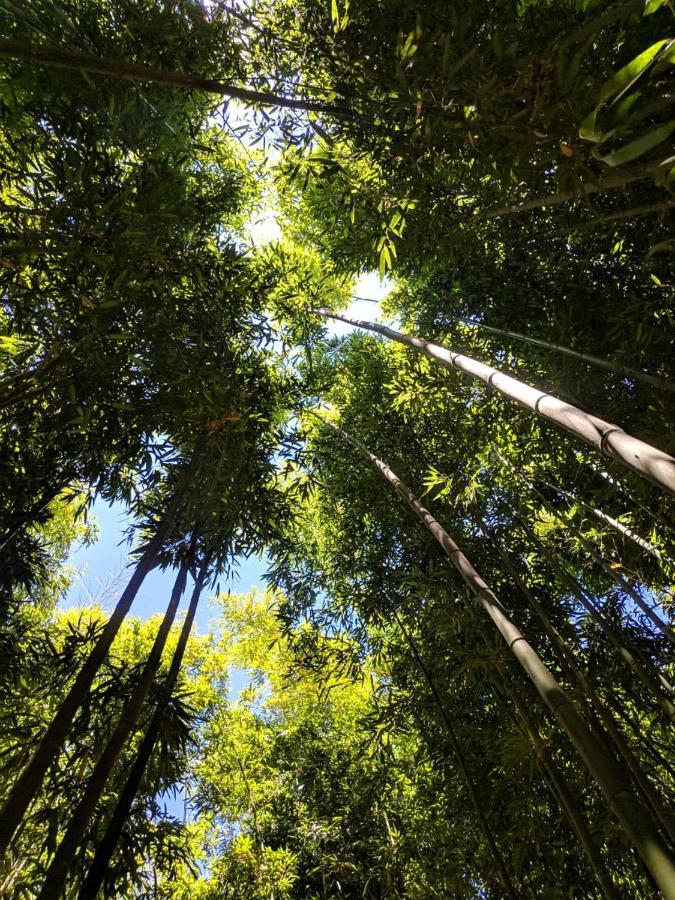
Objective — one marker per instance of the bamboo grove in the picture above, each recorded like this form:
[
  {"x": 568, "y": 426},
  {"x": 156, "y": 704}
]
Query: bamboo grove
[{"x": 458, "y": 681}]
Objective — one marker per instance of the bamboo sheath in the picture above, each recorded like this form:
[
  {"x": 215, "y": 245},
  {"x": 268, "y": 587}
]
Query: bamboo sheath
[
  {"x": 636, "y": 820},
  {"x": 653, "y": 464}
]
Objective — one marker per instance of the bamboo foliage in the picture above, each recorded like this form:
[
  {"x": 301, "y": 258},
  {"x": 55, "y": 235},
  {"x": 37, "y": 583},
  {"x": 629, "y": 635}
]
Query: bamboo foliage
[{"x": 635, "y": 819}]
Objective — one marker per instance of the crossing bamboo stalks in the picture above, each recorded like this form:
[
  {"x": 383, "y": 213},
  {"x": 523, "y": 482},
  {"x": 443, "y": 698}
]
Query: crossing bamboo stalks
[
  {"x": 30, "y": 781},
  {"x": 635, "y": 819},
  {"x": 57, "y": 874},
  {"x": 99, "y": 866},
  {"x": 653, "y": 464}
]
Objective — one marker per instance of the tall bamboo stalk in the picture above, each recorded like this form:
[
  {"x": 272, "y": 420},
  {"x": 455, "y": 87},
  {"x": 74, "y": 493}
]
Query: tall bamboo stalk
[
  {"x": 30, "y": 781},
  {"x": 653, "y": 464},
  {"x": 99, "y": 866},
  {"x": 57, "y": 874},
  {"x": 63, "y": 58},
  {"x": 637, "y": 822},
  {"x": 488, "y": 835}
]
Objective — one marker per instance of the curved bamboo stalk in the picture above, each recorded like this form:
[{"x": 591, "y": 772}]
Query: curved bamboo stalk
[
  {"x": 633, "y": 816},
  {"x": 653, "y": 464},
  {"x": 57, "y": 873},
  {"x": 99, "y": 866},
  {"x": 610, "y": 183}
]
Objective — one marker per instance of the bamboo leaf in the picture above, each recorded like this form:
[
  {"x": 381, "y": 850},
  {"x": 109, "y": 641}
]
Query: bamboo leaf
[{"x": 637, "y": 148}]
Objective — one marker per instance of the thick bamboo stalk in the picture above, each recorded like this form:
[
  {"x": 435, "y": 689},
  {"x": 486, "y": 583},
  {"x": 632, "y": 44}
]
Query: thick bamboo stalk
[
  {"x": 653, "y": 464},
  {"x": 488, "y": 835},
  {"x": 636, "y": 821},
  {"x": 30, "y": 781},
  {"x": 608, "y": 365},
  {"x": 57, "y": 874},
  {"x": 99, "y": 866}
]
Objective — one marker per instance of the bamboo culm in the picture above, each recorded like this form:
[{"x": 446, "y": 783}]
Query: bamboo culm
[
  {"x": 99, "y": 866},
  {"x": 662, "y": 626},
  {"x": 64, "y": 58},
  {"x": 30, "y": 781},
  {"x": 653, "y": 464},
  {"x": 57, "y": 874},
  {"x": 636, "y": 820}
]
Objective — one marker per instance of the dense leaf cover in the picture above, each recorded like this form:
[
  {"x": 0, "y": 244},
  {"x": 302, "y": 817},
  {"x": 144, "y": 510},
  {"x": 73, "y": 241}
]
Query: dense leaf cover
[{"x": 360, "y": 729}]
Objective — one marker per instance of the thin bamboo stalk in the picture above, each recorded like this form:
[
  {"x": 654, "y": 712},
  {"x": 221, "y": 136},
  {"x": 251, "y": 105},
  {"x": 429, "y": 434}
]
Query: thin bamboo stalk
[
  {"x": 569, "y": 663},
  {"x": 655, "y": 684},
  {"x": 99, "y": 866},
  {"x": 609, "y": 365},
  {"x": 656, "y": 620},
  {"x": 61, "y": 57},
  {"x": 563, "y": 794},
  {"x": 28, "y": 784}
]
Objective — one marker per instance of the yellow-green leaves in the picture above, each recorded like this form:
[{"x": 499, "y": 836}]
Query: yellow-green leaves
[{"x": 339, "y": 13}]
